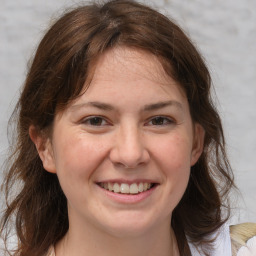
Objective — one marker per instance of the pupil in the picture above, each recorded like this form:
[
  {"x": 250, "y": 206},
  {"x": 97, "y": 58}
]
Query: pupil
[
  {"x": 158, "y": 121},
  {"x": 96, "y": 121}
]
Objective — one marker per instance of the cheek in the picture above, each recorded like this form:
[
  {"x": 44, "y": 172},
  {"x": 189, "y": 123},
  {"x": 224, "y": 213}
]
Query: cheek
[
  {"x": 77, "y": 158},
  {"x": 79, "y": 155},
  {"x": 174, "y": 161},
  {"x": 175, "y": 153}
]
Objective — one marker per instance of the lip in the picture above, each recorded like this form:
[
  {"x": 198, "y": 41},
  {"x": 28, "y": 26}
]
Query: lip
[
  {"x": 129, "y": 182},
  {"x": 128, "y": 198}
]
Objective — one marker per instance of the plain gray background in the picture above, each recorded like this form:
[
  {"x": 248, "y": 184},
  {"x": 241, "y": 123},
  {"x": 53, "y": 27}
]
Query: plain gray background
[{"x": 225, "y": 33}]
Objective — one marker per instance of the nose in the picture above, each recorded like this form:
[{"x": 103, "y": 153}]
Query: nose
[{"x": 129, "y": 149}]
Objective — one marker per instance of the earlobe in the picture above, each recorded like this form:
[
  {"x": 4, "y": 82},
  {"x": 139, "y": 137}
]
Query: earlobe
[
  {"x": 198, "y": 143},
  {"x": 44, "y": 148}
]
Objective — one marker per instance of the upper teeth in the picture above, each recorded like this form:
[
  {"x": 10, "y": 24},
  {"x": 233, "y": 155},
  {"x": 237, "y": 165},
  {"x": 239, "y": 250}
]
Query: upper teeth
[{"x": 124, "y": 188}]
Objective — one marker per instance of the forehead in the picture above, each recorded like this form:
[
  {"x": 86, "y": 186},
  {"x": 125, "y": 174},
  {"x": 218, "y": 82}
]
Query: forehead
[
  {"x": 126, "y": 73},
  {"x": 132, "y": 63},
  {"x": 129, "y": 74}
]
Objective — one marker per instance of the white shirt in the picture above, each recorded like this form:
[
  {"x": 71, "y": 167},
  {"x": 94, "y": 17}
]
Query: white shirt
[{"x": 221, "y": 245}]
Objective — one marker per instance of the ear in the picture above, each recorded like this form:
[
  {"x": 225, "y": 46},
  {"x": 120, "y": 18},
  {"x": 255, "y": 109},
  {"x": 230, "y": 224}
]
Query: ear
[
  {"x": 198, "y": 143},
  {"x": 44, "y": 148}
]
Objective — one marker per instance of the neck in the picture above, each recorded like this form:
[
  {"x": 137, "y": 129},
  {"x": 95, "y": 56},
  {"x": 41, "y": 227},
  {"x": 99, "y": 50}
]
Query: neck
[{"x": 90, "y": 241}]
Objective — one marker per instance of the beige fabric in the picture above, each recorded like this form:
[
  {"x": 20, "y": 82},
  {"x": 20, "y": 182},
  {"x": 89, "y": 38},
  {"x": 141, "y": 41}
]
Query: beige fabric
[
  {"x": 240, "y": 234},
  {"x": 50, "y": 252}
]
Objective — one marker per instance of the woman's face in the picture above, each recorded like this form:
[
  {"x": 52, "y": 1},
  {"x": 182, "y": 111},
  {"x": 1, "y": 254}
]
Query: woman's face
[{"x": 123, "y": 150}]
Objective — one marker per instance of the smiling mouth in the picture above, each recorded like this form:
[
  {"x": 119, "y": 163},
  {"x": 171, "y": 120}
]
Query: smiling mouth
[{"x": 124, "y": 188}]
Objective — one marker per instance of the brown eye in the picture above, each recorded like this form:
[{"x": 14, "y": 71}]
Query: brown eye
[
  {"x": 160, "y": 120},
  {"x": 95, "y": 121}
]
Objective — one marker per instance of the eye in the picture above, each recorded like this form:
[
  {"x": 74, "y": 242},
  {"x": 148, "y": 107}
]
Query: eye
[
  {"x": 160, "y": 120},
  {"x": 95, "y": 121}
]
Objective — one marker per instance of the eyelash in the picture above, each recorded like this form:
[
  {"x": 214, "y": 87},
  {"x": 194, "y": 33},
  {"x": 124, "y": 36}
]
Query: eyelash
[
  {"x": 88, "y": 121},
  {"x": 163, "y": 121}
]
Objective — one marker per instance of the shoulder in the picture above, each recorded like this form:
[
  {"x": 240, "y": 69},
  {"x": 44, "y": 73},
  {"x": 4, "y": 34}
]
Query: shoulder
[
  {"x": 243, "y": 239},
  {"x": 235, "y": 240},
  {"x": 220, "y": 244}
]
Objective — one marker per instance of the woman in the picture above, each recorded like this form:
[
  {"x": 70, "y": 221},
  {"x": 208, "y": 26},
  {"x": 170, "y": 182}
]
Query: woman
[{"x": 120, "y": 149}]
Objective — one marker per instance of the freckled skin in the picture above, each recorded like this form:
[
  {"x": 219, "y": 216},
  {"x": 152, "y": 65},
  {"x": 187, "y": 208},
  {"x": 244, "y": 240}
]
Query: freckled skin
[{"x": 82, "y": 154}]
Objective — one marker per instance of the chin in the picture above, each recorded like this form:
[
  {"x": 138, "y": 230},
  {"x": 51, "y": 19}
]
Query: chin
[{"x": 134, "y": 225}]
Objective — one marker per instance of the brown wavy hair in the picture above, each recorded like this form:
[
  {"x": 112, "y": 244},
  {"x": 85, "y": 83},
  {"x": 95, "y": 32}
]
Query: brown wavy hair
[{"x": 57, "y": 75}]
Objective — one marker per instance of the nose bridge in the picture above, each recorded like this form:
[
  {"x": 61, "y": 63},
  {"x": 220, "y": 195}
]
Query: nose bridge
[{"x": 129, "y": 149}]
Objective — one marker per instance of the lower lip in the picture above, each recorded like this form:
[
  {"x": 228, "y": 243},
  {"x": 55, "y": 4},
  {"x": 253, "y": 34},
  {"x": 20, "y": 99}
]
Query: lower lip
[{"x": 129, "y": 198}]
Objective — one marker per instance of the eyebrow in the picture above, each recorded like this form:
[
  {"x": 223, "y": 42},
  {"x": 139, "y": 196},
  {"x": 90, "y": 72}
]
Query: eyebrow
[
  {"x": 149, "y": 107},
  {"x": 96, "y": 104},
  {"x": 163, "y": 104}
]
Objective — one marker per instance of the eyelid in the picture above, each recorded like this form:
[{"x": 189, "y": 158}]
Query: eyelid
[
  {"x": 168, "y": 118},
  {"x": 88, "y": 118}
]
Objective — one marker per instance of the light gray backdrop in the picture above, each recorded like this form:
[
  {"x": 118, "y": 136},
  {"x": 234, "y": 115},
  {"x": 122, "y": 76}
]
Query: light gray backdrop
[{"x": 224, "y": 31}]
